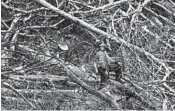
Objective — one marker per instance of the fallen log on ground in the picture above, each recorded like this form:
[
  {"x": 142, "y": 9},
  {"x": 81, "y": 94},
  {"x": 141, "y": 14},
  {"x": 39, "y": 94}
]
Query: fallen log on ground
[
  {"x": 117, "y": 85},
  {"x": 31, "y": 92},
  {"x": 40, "y": 77},
  {"x": 90, "y": 89},
  {"x": 75, "y": 74}
]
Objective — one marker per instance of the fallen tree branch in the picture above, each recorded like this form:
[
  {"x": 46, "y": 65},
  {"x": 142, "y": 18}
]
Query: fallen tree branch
[
  {"x": 94, "y": 29},
  {"x": 163, "y": 7},
  {"x": 84, "y": 85},
  {"x": 112, "y": 37},
  {"x": 7, "y": 98},
  {"x": 91, "y": 90},
  {"x": 14, "y": 90},
  {"x": 82, "y": 3},
  {"x": 32, "y": 91},
  {"x": 46, "y": 77},
  {"x": 140, "y": 7},
  {"x": 159, "y": 16},
  {"x": 39, "y": 27},
  {"x": 7, "y": 35},
  {"x": 13, "y": 41},
  {"x": 3, "y": 22},
  {"x": 172, "y": 2},
  {"x": 23, "y": 11},
  {"x": 104, "y": 7}
]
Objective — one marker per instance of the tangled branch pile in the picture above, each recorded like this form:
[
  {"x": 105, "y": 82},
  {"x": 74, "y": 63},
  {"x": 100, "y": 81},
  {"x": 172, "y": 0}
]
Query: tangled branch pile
[{"x": 48, "y": 49}]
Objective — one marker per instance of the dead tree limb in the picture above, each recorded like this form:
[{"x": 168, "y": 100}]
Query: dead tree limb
[
  {"x": 23, "y": 11},
  {"x": 159, "y": 16},
  {"x": 32, "y": 91},
  {"x": 110, "y": 36},
  {"x": 171, "y": 2},
  {"x": 8, "y": 34},
  {"x": 94, "y": 29},
  {"x": 91, "y": 90},
  {"x": 14, "y": 90},
  {"x": 104, "y": 7},
  {"x": 163, "y": 7},
  {"x": 46, "y": 77}
]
